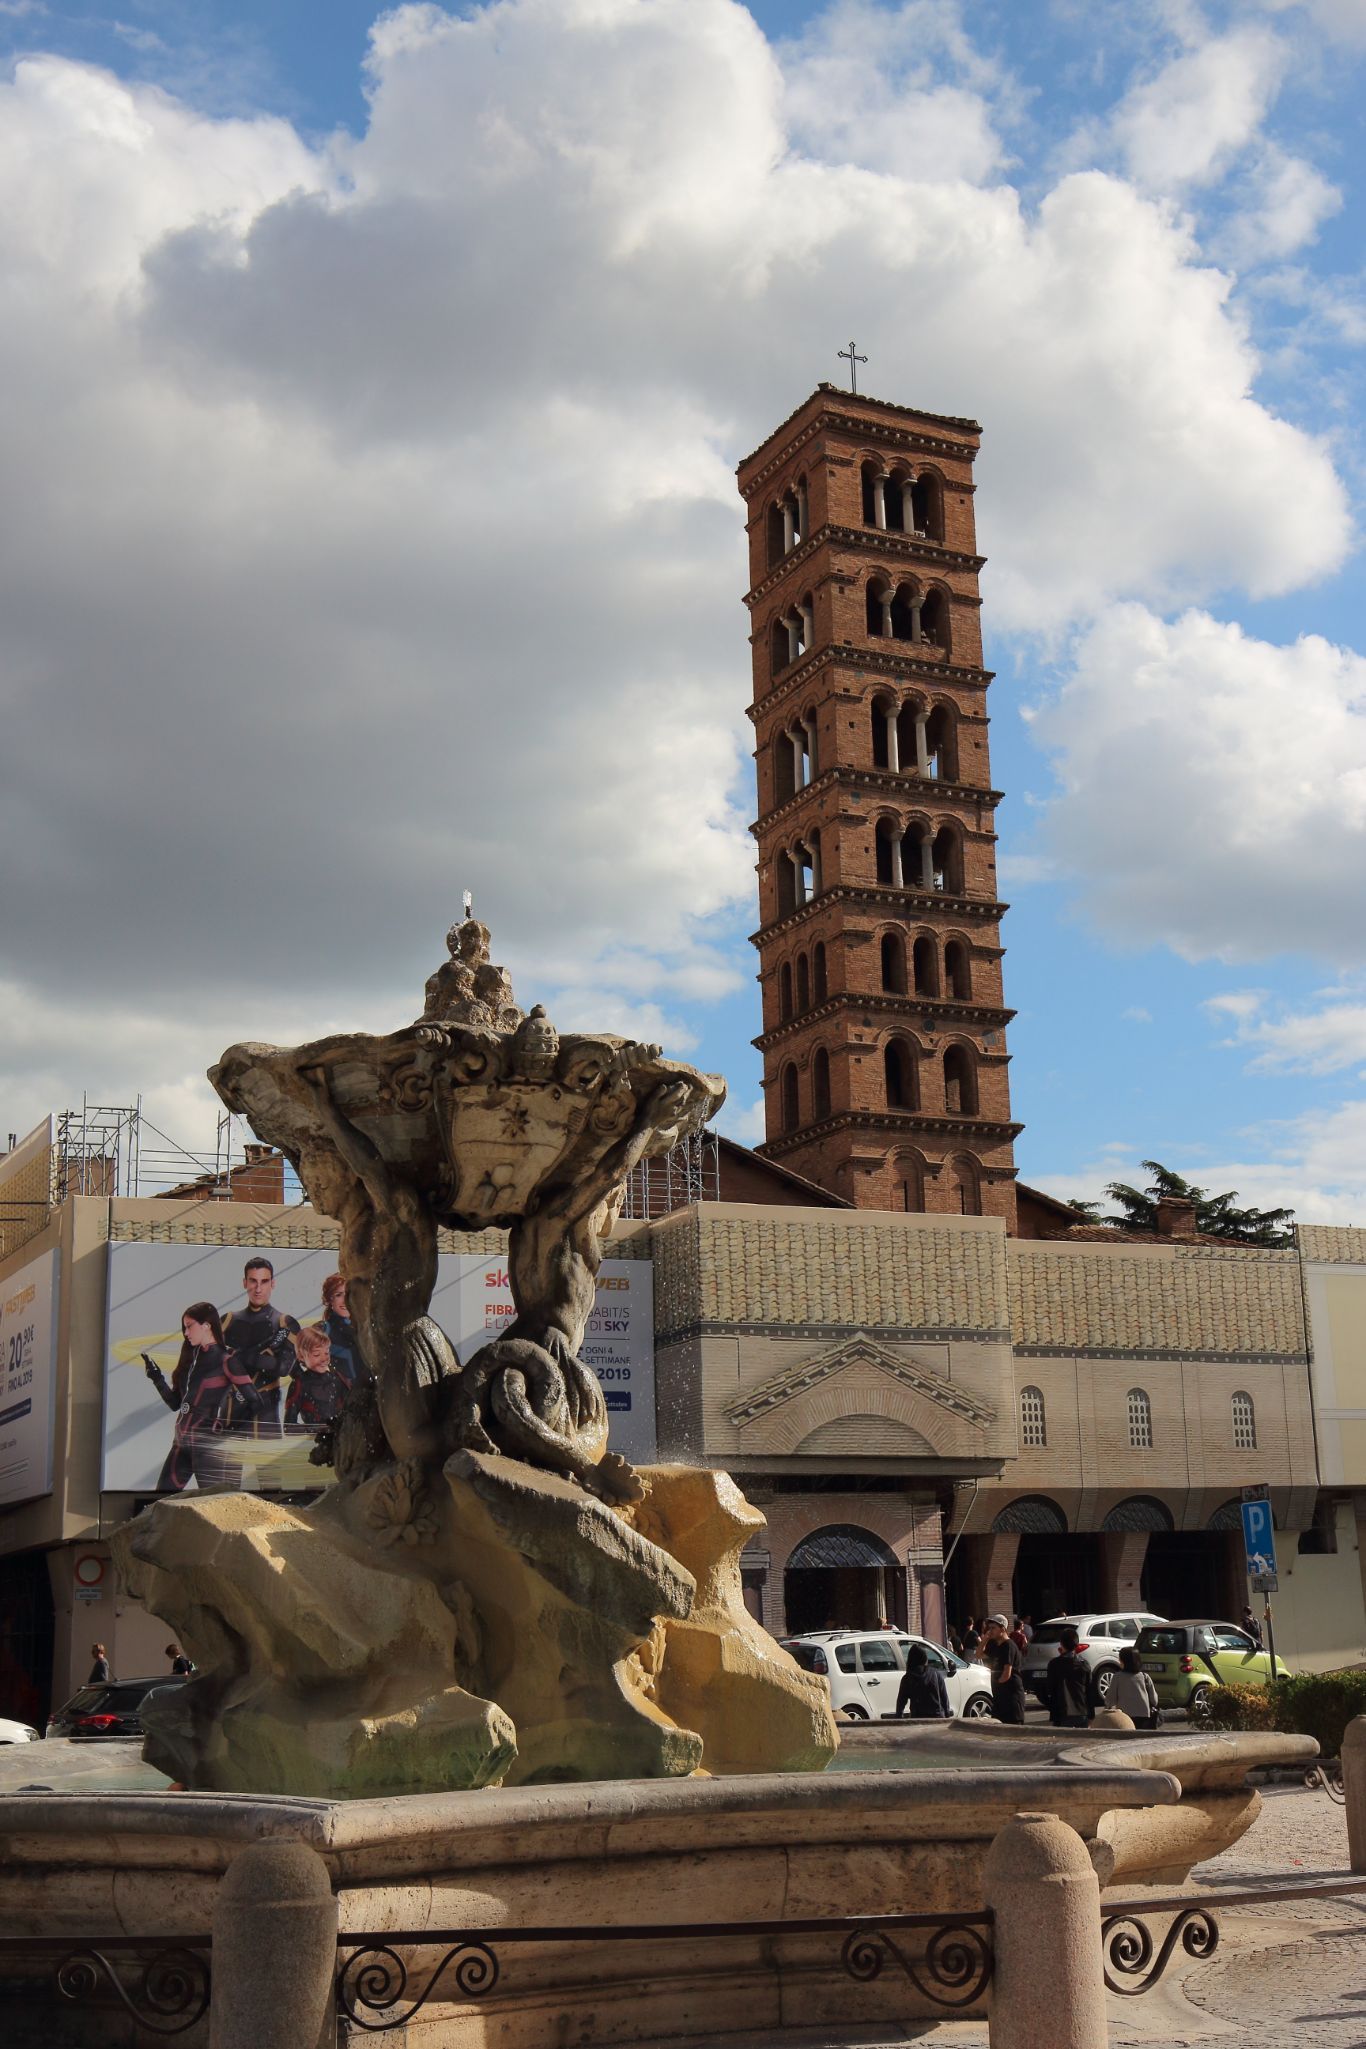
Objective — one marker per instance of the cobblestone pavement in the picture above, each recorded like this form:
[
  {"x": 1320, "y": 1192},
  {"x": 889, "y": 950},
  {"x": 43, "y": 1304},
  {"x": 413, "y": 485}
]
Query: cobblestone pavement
[{"x": 1287, "y": 1975}]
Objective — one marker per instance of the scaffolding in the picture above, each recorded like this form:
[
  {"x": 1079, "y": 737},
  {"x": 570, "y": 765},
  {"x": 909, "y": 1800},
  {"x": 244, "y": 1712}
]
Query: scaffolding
[
  {"x": 690, "y": 1173},
  {"x": 97, "y": 1150}
]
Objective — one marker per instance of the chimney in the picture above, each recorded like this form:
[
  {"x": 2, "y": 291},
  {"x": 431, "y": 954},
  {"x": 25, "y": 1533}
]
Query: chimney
[{"x": 1176, "y": 1217}]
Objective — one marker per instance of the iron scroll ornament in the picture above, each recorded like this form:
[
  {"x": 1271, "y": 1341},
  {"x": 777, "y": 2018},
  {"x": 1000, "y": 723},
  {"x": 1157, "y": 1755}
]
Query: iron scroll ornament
[
  {"x": 958, "y": 1960},
  {"x": 1126, "y": 1944},
  {"x": 168, "y": 1995},
  {"x": 374, "y": 1980}
]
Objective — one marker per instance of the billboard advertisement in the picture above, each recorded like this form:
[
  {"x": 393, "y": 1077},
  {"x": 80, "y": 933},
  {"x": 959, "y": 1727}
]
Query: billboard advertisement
[
  {"x": 205, "y": 1386},
  {"x": 28, "y": 1378}
]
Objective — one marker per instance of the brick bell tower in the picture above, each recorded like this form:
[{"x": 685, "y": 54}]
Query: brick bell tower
[{"x": 885, "y": 1063}]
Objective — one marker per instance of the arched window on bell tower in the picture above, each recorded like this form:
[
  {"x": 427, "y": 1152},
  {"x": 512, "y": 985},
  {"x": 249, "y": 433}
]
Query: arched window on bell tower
[
  {"x": 894, "y": 963},
  {"x": 785, "y": 992},
  {"x": 934, "y": 620},
  {"x": 818, "y": 983},
  {"x": 820, "y": 1084},
  {"x": 878, "y": 608},
  {"x": 791, "y": 1104},
  {"x": 941, "y": 744},
  {"x": 928, "y": 504},
  {"x": 960, "y": 1082},
  {"x": 905, "y": 612},
  {"x": 966, "y": 1184},
  {"x": 946, "y": 862},
  {"x": 925, "y": 966},
  {"x": 958, "y": 971},
  {"x": 900, "y": 1074},
  {"x": 803, "y": 985}
]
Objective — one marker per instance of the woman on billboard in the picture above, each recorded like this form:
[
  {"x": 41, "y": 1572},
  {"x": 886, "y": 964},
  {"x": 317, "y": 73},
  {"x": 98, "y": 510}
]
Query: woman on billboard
[{"x": 208, "y": 1393}]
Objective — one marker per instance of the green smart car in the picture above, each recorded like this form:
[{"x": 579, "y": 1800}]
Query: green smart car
[{"x": 1186, "y": 1658}]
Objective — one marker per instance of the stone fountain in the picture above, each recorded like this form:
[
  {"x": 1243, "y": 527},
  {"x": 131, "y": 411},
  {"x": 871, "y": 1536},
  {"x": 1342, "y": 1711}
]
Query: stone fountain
[{"x": 487, "y": 1593}]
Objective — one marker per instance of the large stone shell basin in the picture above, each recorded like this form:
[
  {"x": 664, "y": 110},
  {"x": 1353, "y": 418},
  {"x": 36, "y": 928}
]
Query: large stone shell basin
[
  {"x": 472, "y": 1120},
  {"x": 599, "y": 1855},
  {"x": 1133, "y": 1845}
]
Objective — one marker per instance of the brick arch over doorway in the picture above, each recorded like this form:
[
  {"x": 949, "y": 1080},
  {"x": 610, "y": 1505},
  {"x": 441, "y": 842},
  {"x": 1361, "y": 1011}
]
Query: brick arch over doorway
[
  {"x": 868, "y": 1436},
  {"x": 902, "y": 1521}
]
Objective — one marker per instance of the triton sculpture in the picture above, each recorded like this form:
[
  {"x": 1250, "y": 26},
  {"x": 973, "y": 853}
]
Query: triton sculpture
[{"x": 488, "y": 1592}]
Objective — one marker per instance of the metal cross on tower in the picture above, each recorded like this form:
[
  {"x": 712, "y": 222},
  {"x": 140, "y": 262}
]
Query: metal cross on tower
[{"x": 854, "y": 361}]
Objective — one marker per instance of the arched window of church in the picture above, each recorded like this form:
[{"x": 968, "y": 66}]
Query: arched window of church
[
  {"x": 946, "y": 861},
  {"x": 1033, "y": 1428},
  {"x": 960, "y": 1083},
  {"x": 882, "y": 719},
  {"x": 958, "y": 971},
  {"x": 820, "y": 1083},
  {"x": 878, "y": 608},
  {"x": 925, "y": 966},
  {"x": 818, "y": 984},
  {"x": 803, "y": 985},
  {"x": 874, "y": 495},
  {"x": 782, "y": 651},
  {"x": 785, "y": 991},
  {"x": 786, "y": 880},
  {"x": 928, "y": 504},
  {"x": 916, "y": 863},
  {"x": 906, "y": 612},
  {"x": 934, "y": 621},
  {"x": 784, "y": 768},
  {"x": 967, "y": 1188},
  {"x": 1140, "y": 1420},
  {"x": 774, "y": 534},
  {"x": 894, "y": 963},
  {"x": 1244, "y": 1423},
  {"x": 910, "y": 1185},
  {"x": 899, "y": 1068},
  {"x": 941, "y": 744},
  {"x": 791, "y": 1103}
]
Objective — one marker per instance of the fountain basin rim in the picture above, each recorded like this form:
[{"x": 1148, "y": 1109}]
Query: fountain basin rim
[{"x": 622, "y": 1806}]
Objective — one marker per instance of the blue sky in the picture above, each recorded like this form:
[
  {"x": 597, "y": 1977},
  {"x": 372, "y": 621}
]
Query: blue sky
[{"x": 322, "y": 319}]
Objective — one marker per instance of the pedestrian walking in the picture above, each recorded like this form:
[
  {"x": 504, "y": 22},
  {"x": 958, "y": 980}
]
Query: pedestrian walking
[
  {"x": 1132, "y": 1691},
  {"x": 181, "y": 1666},
  {"x": 1253, "y": 1627},
  {"x": 99, "y": 1671},
  {"x": 1018, "y": 1637},
  {"x": 1067, "y": 1684},
  {"x": 972, "y": 1640},
  {"x": 1004, "y": 1660},
  {"x": 922, "y": 1691}
]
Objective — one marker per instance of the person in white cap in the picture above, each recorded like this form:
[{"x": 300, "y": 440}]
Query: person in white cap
[{"x": 1004, "y": 1661}]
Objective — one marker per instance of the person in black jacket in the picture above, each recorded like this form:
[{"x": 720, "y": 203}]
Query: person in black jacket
[
  {"x": 316, "y": 1388},
  {"x": 1004, "y": 1660},
  {"x": 205, "y": 1382},
  {"x": 259, "y": 1336},
  {"x": 347, "y": 1359},
  {"x": 922, "y": 1690},
  {"x": 1067, "y": 1685}
]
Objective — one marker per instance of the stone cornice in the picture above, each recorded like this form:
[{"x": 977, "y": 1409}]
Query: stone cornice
[
  {"x": 890, "y": 1123},
  {"x": 844, "y": 655},
  {"x": 887, "y": 899},
  {"x": 834, "y": 412},
  {"x": 940, "y": 1014},
  {"x": 873, "y": 541},
  {"x": 861, "y": 1349},
  {"x": 880, "y": 780}
]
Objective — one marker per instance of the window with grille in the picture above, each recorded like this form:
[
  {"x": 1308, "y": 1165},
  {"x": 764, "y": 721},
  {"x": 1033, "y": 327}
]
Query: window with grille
[
  {"x": 1140, "y": 1420},
  {"x": 1032, "y": 1426},
  {"x": 1244, "y": 1423}
]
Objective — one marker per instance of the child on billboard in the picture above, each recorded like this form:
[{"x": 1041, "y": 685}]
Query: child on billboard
[
  {"x": 336, "y": 1317},
  {"x": 205, "y": 1387},
  {"x": 316, "y": 1388}
]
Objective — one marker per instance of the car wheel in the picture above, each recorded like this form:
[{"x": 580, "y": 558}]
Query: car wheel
[
  {"x": 855, "y": 1714},
  {"x": 1197, "y": 1707},
  {"x": 1103, "y": 1680},
  {"x": 977, "y": 1708}
]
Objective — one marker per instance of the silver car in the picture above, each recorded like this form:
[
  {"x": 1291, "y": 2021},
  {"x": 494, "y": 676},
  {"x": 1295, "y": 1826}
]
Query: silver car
[{"x": 1102, "y": 1638}]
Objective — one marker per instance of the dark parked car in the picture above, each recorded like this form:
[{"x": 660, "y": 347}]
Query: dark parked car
[{"x": 109, "y": 1707}]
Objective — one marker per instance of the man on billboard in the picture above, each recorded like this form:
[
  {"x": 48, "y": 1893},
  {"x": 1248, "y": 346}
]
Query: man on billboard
[
  {"x": 205, "y": 1387},
  {"x": 259, "y": 1337}
]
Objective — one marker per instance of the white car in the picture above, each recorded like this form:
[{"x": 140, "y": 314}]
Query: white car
[
  {"x": 865, "y": 1669},
  {"x": 17, "y": 1732},
  {"x": 1102, "y": 1638}
]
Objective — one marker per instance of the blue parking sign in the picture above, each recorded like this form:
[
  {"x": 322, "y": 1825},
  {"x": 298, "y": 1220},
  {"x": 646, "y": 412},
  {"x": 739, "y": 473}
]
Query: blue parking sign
[{"x": 1259, "y": 1539}]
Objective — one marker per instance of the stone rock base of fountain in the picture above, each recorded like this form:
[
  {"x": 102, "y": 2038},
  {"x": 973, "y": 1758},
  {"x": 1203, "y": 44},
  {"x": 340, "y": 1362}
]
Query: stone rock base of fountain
[{"x": 485, "y": 1624}]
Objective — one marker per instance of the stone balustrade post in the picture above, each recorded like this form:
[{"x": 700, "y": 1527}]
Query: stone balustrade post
[
  {"x": 274, "y": 1951},
  {"x": 1354, "y": 1784},
  {"x": 1047, "y": 1985}
]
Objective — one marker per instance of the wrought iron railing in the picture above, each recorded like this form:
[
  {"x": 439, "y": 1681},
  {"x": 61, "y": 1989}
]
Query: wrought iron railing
[
  {"x": 381, "y": 1984},
  {"x": 1134, "y": 1961},
  {"x": 163, "y": 1982}
]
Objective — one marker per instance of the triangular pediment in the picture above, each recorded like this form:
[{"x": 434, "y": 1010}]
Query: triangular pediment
[{"x": 856, "y": 1355}]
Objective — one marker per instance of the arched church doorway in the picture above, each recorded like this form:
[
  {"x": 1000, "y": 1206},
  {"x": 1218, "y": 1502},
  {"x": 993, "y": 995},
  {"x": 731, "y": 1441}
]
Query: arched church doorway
[
  {"x": 1054, "y": 1574},
  {"x": 843, "y": 1577}
]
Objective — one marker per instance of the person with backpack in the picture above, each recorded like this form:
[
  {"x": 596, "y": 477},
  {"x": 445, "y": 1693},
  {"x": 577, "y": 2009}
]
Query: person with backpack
[
  {"x": 1132, "y": 1691},
  {"x": 1067, "y": 1684},
  {"x": 181, "y": 1666},
  {"x": 922, "y": 1690}
]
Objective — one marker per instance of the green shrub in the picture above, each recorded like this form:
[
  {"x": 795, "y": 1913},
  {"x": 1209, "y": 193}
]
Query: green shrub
[
  {"x": 1240, "y": 1707},
  {"x": 1317, "y": 1704}
]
